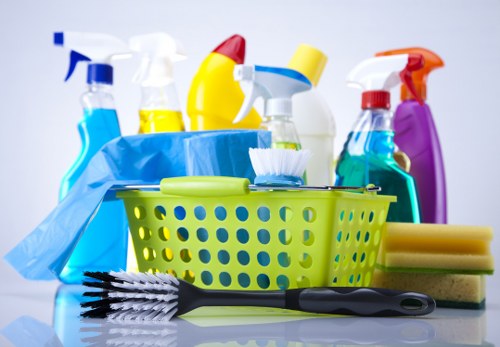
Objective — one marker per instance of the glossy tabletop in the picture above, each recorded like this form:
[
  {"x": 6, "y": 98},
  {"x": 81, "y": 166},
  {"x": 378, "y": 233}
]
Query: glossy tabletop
[{"x": 47, "y": 314}]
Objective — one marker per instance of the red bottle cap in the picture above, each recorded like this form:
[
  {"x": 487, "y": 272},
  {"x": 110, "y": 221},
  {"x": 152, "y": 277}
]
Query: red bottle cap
[
  {"x": 233, "y": 48},
  {"x": 376, "y": 99}
]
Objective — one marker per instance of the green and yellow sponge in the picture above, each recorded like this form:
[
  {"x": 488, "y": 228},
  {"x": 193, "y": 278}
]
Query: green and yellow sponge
[
  {"x": 447, "y": 262},
  {"x": 436, "y": 248}
]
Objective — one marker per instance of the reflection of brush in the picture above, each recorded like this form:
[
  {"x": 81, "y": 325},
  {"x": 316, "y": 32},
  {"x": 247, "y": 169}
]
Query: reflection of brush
[
  {"x": 279, "y": 167},
  {"x": 146, "y": 296},
  {"x": 311, "y": 331}
]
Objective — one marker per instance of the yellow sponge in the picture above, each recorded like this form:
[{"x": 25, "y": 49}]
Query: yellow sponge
[
  {"x": 436, "y": 248},
  {"x": 449, "y": 290}
]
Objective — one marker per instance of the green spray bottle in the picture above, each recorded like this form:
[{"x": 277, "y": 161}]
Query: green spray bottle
[{"x": 367, "y": 156}]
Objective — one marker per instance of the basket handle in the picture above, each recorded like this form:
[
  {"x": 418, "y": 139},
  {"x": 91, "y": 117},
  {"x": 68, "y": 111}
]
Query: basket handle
[{"x": 204, "y": 186}]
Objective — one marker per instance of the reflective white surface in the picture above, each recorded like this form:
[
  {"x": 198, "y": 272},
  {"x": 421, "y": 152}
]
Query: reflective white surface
[{"x": 47, "y": 314}]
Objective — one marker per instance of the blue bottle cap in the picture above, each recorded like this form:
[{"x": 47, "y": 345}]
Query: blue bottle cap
[{"x": 100, "y": 73}]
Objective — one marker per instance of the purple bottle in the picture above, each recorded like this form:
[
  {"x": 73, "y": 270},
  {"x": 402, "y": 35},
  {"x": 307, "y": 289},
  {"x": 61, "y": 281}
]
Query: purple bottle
[{"x": 416, "y": 135}]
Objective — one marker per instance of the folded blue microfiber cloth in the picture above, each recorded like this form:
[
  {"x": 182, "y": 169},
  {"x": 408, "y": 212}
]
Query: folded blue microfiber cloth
[{"x": 139, "y": 159}]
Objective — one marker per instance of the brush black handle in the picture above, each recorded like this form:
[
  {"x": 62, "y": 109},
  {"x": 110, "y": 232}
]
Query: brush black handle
[
  {"x": 359, "y": 301},
  {"x": 333, "y": 300}
]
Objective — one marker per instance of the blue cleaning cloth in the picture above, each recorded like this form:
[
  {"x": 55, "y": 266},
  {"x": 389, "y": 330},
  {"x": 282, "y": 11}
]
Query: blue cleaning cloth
[{"x": 139, "y": 159}]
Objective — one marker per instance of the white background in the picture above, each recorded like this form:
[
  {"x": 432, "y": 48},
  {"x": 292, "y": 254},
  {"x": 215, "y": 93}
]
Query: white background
[{"x": 39, "y": 112}]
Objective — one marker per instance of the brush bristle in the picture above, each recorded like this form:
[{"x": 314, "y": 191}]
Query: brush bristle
[
  {"x": 132, "y": 296},
  {"x": 277, "y": 161}
]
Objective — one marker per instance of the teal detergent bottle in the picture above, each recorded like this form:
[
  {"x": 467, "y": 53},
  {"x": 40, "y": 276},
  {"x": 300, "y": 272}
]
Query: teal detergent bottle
[
  {"x": 103, "y": 246},
  {"x": 367, "y": 155}
]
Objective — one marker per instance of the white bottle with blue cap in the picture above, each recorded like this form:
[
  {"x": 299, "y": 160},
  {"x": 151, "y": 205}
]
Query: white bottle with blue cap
[
  {"x": 101, "y": 247},
  {"x": 276, "y": 86}
]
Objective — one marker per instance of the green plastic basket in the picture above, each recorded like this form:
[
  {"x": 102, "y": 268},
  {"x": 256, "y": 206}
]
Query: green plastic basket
[{"x": 216, "y": 233}]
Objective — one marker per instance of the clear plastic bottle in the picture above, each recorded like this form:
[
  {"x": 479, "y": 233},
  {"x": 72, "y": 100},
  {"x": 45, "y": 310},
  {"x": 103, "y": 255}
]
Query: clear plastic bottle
[
  {"x": 160, "y": 110},
  {"x": 368, "y": 153},
  {"x": 283, "y": 132},
  {"x": 367, "y": 157},
  {"x": 98, "y": 249},
  {"x": 103, "y": 245}
]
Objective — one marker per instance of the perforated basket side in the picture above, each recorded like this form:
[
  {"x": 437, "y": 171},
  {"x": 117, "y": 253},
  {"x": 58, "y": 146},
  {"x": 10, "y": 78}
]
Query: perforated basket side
[
  {"x": 357, "y": 236},
  {"x": 268, "y": 240},
  {"x": 264, "y": 240}
]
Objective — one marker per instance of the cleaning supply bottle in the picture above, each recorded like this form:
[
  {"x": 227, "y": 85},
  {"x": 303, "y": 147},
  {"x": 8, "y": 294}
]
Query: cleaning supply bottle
[
  {"x": 160, "y": 109},
  {"x": 367, "y": 156},
  {"x": 214, "y": 96},
  {"x": 312, "y": 116},
  {"x": 98, "y": 249},
  {"x": 276, "y": 86},
  {"x": 416, "y": 135}
]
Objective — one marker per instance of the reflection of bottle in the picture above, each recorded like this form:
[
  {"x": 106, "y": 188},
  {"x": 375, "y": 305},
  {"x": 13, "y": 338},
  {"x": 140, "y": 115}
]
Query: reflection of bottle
[
  {"x": 367, "y": 156},
  {"x": 160, "y": 109},
  {"x": 416, "y": 135},
  {"x": 98, "y": 249},
  {"x": 276, "y": 86},
  {"x": 67, "y": 320},
  {"x": 214, "y": 96},
  {"x": 312, "y": 116}
]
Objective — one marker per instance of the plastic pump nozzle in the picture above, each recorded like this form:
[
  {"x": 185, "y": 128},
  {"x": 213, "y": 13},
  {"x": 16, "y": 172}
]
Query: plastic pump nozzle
[
  {"x": 376, "y": 76},
  {"x": 431, "y": 61},
  {"x": 159, "y": 52},
  {"x": 275, "y": 85},
  {"x": 96, "y": 48}
]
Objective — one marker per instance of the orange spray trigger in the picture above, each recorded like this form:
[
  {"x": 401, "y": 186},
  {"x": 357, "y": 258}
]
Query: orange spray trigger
[
  {"x": 415, "y": 62},
  {"x": 431, "y": 61}
]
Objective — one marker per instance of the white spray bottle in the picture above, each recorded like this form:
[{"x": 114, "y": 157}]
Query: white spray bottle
[
  {"x": 276, "y": 86},
  {"x": 313, "y": 117},
  {"x": 160, "y": 109}
]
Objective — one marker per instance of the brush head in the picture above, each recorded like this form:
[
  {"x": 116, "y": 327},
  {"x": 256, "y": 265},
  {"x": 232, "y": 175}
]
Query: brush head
[
  {"x": 279, "y": 167},
  {"x": 132, "y": 296}
]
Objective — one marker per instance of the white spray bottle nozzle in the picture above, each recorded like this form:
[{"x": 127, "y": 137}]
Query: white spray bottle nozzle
[
  {"x": 275, "y": 85},
  {"x": 159, "y": 51},
  {"x": 385, "y": 72},
  {"x": 379, "y": 73},
  {"x": 91, "y": 47},
  {"x": 376, "y": 76}
]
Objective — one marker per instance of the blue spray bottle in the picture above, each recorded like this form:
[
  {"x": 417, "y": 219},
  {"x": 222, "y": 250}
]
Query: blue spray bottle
[
  {"x": 97, "y": 250},
  {"x": 367, "y": 156}
]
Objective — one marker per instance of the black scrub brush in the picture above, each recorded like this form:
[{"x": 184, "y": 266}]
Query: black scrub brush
[{"x": 159, "y": 297}]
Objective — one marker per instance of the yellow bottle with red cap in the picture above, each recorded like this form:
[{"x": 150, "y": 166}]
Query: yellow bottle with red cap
[
  {"x": 214, "y": 97},
  {"x": 416, "y": 135}
]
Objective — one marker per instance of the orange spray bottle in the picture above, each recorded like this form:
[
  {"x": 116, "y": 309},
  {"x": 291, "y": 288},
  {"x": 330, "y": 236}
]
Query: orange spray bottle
[
  {"x": 214, "y": 97},
  {"x": 416, "y": 135}
]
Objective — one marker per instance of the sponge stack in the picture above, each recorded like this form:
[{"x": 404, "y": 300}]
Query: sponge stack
[{"x": 447, "y": 262}]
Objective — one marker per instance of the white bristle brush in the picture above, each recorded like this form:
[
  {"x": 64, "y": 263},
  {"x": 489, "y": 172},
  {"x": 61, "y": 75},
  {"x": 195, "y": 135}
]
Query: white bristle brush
[
  {"x": 159, "y": 297},
  {"x": 279, "y": 167}
]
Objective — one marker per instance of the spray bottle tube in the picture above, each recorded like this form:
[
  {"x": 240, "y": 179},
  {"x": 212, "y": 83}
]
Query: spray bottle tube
[
  {"x": 367, "y": 156},
  {"x": 160, "y": 109},
  {"x": 103, "y": 246}
]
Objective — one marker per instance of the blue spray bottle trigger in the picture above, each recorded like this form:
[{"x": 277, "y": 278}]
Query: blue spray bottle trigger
[
  {"x": 74, "y": 59},
  {"x": 59, "y": 39}
]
